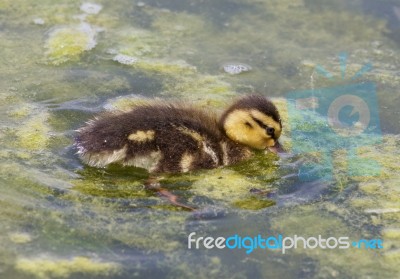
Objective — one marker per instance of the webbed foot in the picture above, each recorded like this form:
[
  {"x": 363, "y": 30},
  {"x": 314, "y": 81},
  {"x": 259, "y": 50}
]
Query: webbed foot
[{"x": 154, "y": 185}]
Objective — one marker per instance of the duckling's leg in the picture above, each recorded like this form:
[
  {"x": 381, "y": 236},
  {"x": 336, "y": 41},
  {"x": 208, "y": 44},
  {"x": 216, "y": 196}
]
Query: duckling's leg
[{"x": 153, "y": 184}]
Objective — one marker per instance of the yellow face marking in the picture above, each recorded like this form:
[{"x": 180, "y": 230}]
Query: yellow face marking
[
  {"x": 237, "y": 128},
  {"x": 186, "y": 162},
  {"x": 142, "y": 136},
  {"x": 268, "y": 121}
]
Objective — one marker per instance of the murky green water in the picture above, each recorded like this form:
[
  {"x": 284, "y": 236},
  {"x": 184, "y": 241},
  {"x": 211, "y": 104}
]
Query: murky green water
[{"x": 61, "y": 62}]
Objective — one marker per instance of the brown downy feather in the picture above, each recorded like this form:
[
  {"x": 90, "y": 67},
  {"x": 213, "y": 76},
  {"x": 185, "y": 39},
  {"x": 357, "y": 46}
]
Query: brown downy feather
[{"x": 178, "y": 138}]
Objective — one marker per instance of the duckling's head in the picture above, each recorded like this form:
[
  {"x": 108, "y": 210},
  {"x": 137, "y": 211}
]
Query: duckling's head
[{"x": 253, "y": 121}]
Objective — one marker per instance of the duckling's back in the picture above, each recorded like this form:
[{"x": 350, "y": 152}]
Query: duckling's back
[{"x": 159, "y": 138}]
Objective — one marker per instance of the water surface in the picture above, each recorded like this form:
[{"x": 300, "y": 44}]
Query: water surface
[{"x": 61, "y": 62}]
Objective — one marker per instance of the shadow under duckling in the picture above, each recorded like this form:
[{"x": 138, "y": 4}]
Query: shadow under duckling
[{"x": 173, "y": 138}]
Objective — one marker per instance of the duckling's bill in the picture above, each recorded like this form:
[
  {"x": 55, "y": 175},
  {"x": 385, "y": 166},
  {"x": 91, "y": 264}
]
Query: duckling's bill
[{"x": 277, "y": 148}]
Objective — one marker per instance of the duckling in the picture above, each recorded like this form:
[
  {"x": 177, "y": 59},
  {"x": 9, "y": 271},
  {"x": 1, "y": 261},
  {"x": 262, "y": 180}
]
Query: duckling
[{"x": 173, "y": 138}]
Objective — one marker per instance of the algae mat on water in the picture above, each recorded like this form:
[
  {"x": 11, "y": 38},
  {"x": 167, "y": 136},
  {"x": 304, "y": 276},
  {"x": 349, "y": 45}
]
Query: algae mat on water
[{"x": 64, "y": 61}]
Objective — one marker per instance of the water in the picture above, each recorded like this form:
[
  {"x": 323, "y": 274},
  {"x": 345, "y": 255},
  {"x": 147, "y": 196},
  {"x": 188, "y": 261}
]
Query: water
[{"x": 61, "y": 219}]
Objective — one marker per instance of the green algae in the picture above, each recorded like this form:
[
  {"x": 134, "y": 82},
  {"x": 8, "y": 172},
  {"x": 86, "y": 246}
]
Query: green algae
[
  {"x": 138, "y": 43},
  {"x": 185, "y": 24},
  {"x": 34, "y": 133},
  {"x": 307, "y": 221},
  {"x": 126, "y": 103},
  {"x": 203, "y": 268},
  {"x": 20, "y": 237},
  {"x": 224, "y": 184},
  {"x": 165, "y": 67},
  {"x": 68, "y": 43},
  {"x": 50, "y": 268},
  {"x": 67, "y": 211},
  {"x": 117, "y": 184},
  {"x": 253, "y": 203},
  {"x": 377, "y": 204},
  {"x": 22, "y": 12},
  {"x": 206, "y": 90},
  {"x": 22, "y": 111}
]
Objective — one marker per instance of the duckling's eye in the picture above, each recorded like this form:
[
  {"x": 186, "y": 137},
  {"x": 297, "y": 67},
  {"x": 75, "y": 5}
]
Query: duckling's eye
[
  {"x": 248, "y": 125},
  {"x": 270, "y": 131}
]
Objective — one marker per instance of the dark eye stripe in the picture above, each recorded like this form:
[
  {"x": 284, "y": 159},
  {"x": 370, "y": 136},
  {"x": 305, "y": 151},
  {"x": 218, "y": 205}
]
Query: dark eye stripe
[
  {"x": 260, "y": 123},
  {"x": 249, "y": 125},
  {"x": 265, "y": 127}
]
